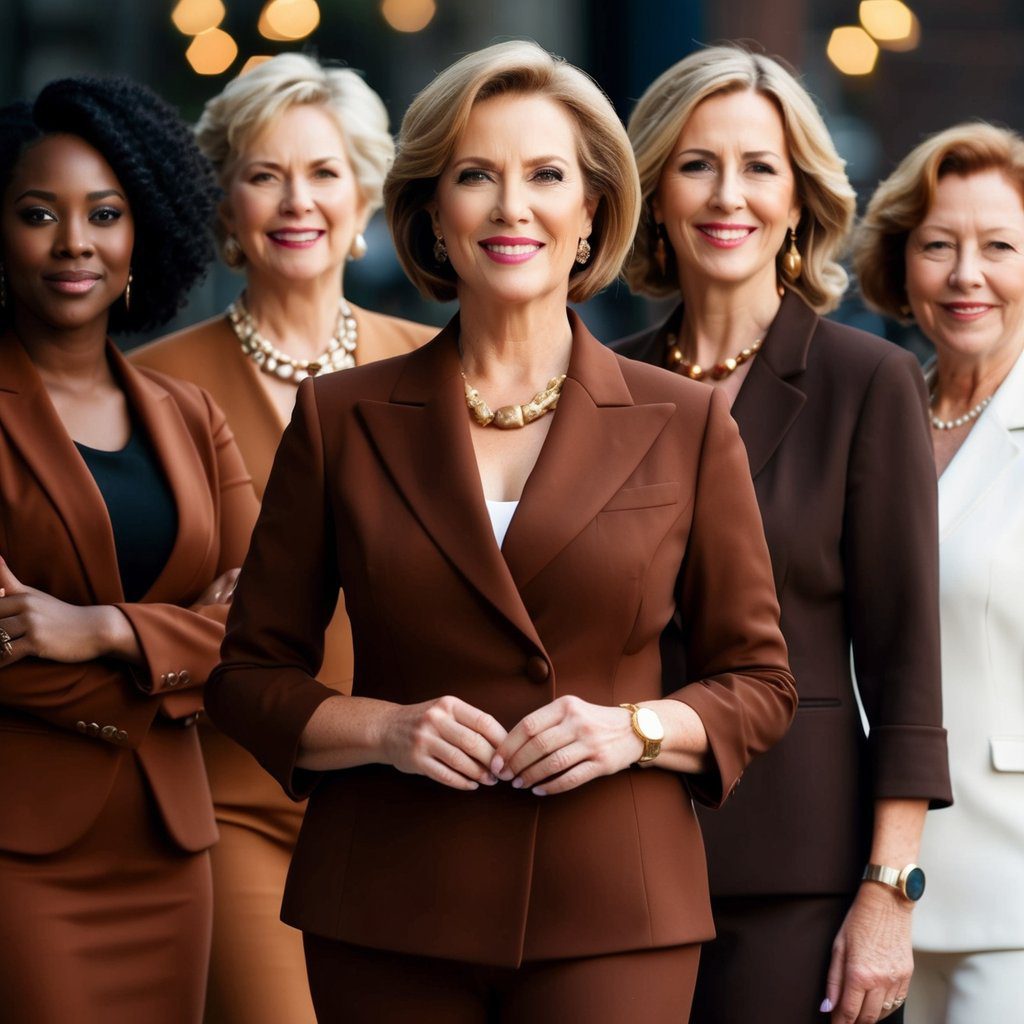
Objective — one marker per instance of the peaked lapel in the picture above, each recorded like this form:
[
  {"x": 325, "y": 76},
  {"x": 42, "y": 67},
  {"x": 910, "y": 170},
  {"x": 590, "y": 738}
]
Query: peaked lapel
[
  {"x": 37, "y": 431},
  {"x": 994, "y": 444},
  {"x": 422, "y": 437},
  {"x": 771, "y": 397},
  {"x": 597, "y": 438},
  {"x": 158, "y": 415}
]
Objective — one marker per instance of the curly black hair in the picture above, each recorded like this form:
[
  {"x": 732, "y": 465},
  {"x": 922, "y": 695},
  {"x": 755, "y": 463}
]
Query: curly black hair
[{"x": 168, "y": 183}]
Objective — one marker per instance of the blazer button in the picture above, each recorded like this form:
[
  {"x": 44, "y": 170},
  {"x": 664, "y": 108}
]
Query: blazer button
[
  {"x": 121, "y": 736},
  {"x": 188, "y": 721},
  {"x": 80, "y": 726},
  {"x": 172, "y": 678},
  {"x": 92, "y": 729},
  {"x": 183, "y": 677},
  {"x": 537, "y": 670},
  {"x": 109, "y": 732}
]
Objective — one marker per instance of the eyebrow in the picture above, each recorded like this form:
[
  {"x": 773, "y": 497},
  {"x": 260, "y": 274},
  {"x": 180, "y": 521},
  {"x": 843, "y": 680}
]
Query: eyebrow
[
  {"x": 260, "y": 162},
  {"x": 534, "y": 161},
  {"x": 750, "y": 154},
  {"x": 51, "y": 197}
]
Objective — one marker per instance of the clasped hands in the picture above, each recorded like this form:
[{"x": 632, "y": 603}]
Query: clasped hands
[{"x": 558, "y": 747}]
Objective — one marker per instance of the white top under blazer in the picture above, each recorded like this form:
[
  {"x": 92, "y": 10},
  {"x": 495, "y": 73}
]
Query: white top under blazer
[{"x": 973, "y": 852}]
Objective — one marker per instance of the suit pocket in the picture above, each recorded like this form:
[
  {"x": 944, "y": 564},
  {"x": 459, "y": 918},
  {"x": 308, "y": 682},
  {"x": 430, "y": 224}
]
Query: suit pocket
[
  {"x": 1008, "y": 753},
  {"x": 647, "y": 496},
  {"x": 816, "y": 703}
]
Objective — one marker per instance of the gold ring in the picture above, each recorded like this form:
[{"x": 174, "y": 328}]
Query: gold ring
[{"x": 5, "y": 643}]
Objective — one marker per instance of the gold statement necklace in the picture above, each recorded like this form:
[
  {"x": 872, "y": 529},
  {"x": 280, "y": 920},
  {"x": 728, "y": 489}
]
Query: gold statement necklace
[
  {"x": 512, "y": 417},
  {"x": 677, "y": 361},
  {"x": 340, "y": 353}
]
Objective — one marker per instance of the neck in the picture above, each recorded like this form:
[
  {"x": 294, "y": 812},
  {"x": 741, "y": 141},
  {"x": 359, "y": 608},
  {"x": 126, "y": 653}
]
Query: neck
[
  {"x": 961, "y": 382},
  {"x": 298, "y": 317},
  {"x": 722, "y": 319},
  {"x": 65, "y": 357},
  {"x": 514, "y": 345}
]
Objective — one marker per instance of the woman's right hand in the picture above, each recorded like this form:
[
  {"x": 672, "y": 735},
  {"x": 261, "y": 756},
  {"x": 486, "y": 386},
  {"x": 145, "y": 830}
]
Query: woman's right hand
[{"x": 446, "y": 740}]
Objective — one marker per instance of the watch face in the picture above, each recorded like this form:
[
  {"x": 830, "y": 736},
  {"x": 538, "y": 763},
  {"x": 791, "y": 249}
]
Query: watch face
[
  {"x": 913, "y": 884},
  {"x": 649, "y": 724}
]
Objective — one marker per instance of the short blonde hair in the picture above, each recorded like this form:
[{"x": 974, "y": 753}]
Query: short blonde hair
[
  {"x": 250, "y": 103},
  {"x": 438, "y": 116},
  {"x": 822, "y": 188},
  {"x": 902, "y": 201}
]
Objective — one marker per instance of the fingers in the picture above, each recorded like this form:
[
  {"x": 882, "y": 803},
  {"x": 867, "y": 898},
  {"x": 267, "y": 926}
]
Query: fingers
[
  {"x": 584, "y": 772},
  {"x": 566, "y": 754},
  {"x": 525, "y": 730},
  {"x": 8, "y": 581},
  {"x": 834, "y": 979},
  {"x": 481, "y": 723}
]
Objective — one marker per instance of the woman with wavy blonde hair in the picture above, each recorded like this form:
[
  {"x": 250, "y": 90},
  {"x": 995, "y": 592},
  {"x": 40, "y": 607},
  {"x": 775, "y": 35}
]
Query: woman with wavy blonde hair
[{"x": 747, "y": 209}]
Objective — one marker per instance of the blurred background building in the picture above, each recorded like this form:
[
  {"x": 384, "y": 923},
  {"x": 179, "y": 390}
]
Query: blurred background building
[{"x": 885, "y": 73}]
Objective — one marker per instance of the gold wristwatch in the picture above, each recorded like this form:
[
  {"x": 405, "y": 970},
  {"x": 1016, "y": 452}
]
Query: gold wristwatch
[{"x": 647, "y": 725}]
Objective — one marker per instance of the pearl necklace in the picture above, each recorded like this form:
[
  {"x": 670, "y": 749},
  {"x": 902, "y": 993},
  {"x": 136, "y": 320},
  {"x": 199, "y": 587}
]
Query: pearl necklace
[
  {"x": 511, "y": 417},
  {"x": 677, "y": 361},
  {"x": 971, "y": 414},
  {"x": 339, "y": 354}
]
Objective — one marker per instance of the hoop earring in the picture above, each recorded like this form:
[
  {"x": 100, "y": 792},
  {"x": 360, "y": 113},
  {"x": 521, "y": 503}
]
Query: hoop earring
[
  {"x": 440, "y": 250},
  {"x": 357, "y": 250},
  {"x": 232, "y": 253},
  {"x": 660, "y": 254},
  {"x": 792, "y": 261},
  {"x": 582, "y": 252},
  {"x": 128, "y": 292}
]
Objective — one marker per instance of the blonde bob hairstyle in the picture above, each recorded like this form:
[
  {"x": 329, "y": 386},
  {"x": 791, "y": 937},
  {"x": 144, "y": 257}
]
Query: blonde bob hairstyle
[
  {"x": 902, "y": 201},
  {"x": 438, "y": 116},
  {"x": 828, "y": 201},
  {"x": 249, "y": 104}
]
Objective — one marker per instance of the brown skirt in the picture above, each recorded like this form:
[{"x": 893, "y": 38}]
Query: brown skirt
[{"x": 114, "y": 929}]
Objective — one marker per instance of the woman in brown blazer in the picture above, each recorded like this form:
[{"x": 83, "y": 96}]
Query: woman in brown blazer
[
  {"x": 301, "y": 152},
  {"x": 500, "y": 823},
  {"x": 124, "y": 511},
  {"x": 746, "y": 206}
]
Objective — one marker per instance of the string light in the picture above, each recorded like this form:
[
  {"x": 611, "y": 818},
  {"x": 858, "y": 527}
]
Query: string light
[
  {"x": 852, "y": 50},
  {"x": 211, "y": 52},
  {"x": 408, "y": 15},
  {"x": 193, "y": 17}
]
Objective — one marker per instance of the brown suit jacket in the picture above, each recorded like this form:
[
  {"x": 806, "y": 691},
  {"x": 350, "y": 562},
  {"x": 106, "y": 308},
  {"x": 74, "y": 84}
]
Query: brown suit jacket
[
  {"x": 837, "y": 435},
  {"x": 64, "y": 729},
  {"x": 640, "y": 504}
]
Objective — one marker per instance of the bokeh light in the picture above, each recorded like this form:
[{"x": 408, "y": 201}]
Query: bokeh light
[
  {"x": 408, "y": 15},
  {"x": 211, "y": 52},
  {"x": 852, "y": 50},
  {"x": 191, "y": 17},
  {"x": 289, "y": 19},
  {"x": 892, "y": 23}
]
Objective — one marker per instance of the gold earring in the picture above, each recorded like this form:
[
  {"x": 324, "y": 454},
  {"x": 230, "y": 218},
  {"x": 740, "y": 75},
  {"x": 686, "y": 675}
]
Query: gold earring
[
  {"x": 792, "y": 261},
  {"x": 128, "y": 292},
  {"x": 358, "y": 248},
  {"x": 232, "y": 253},
  {"x": 660, "y": 256},
  {"x": 582, "y": 252},
  {"x": 440, "y": 250}
]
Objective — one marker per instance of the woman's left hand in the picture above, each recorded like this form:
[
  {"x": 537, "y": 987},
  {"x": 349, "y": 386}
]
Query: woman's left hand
[
  {"x": 872, "y": 959},
  {"x": 42, "y": 626},
  {"x": 565, "y": 744}
]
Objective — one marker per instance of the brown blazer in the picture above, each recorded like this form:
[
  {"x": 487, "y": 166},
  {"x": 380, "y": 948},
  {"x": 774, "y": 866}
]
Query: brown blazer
[
  {"x": 640, "y": 504},
  {"x": 837, "y": 435},
  {"x": 64, "y": 729}
]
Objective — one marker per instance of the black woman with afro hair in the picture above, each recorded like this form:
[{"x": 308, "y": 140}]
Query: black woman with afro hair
[{"x": 125, "y": 509}]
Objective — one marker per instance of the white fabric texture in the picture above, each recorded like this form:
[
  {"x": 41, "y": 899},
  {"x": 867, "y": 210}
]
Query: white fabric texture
[{"x": 501, "y": 513}]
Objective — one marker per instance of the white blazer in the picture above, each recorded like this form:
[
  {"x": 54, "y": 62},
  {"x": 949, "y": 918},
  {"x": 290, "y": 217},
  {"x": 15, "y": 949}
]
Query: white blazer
[{"x": 973, "y": 852}]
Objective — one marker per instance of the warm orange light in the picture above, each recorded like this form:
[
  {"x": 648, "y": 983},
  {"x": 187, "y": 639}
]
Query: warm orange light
[
  {"x": 892, "y": 23},
  {"x": 852, "y": 50},
  {"x": 408, "y": 15},
  {"x": 191, "y": 17},
  {"x": 211, "y": 52},
  {"x": 253, "y": 62},
  {"x": 289, "y": 19}
]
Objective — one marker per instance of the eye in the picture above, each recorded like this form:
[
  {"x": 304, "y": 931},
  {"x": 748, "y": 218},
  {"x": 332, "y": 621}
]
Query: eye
[
  {"x": 758, "y": 167},
  {"x": 106, "y": 215},
  {"x": 548, "y": 174},
  {"x": 325, "y": 172},
  {"x": 1001, "y": 246},
  {"x": 260, "y": 177},
  {"x": 472, "y": 176},
  {"x": 35, "y": 215},
  {"x": 936, "y": 246},
  {"x": 695, "y": 167}
]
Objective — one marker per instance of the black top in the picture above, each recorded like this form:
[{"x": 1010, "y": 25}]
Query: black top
[{"x": 142, "y": 511}]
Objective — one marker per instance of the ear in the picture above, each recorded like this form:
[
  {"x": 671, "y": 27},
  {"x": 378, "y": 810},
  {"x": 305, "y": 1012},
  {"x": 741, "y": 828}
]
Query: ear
[
  {"x": 656, "y": 210},
  {"x": 226, "y": 215},
  {"x": 795, "y": 216},
  {"x": 432, "y": 213},
  {"x": 590, "y": 210}
]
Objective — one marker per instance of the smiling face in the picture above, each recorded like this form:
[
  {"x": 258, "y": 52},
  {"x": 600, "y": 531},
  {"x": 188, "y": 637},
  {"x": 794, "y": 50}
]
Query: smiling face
[
  {"x": 293, "y": 202},
  {"x": 727, "y": 193},
  {"x": 965, "y": 266},
  {"x": 512, "y": 201},
  {"x": 66, "y": 234}
]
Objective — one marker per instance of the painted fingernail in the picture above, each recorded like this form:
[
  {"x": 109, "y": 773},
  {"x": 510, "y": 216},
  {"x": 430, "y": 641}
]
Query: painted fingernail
[
  {"x": 506, "y": 775},
  {"x": 826, "y": 1005},
  {"x": 497, "y": 763},
  {"x": 490, "y": 780},
  {"x": 517, "y": 783},
  {"x": 539, "y": 791}
]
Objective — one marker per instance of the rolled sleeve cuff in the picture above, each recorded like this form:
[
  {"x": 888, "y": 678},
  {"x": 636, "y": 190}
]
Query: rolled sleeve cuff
[{"x": 911, "y": 762}]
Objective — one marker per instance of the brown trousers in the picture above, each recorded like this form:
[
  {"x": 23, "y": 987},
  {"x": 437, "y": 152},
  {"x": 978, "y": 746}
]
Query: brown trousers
[{"x": 355, "y": 985}]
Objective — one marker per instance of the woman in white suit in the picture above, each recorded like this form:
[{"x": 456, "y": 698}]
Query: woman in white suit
[{"x": 943, "y": 241}]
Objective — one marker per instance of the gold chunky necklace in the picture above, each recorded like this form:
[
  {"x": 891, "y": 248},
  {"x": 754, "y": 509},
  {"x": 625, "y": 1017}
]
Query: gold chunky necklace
[
  {"x": 511, "y": 417},
  {"x": 677, "y": 361},
  {"x": 339, "y": 355}
]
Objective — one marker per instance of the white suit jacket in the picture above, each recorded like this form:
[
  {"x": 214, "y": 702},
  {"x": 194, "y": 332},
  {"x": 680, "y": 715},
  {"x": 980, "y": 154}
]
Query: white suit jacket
[{"x": 973, "y": 853}]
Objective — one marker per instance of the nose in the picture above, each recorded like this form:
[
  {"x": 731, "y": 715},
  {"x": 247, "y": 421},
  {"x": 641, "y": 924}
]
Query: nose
[
  {"x": 728, "y": 194},
  {"x": 73, "y": 240},
  {"x": 297, "y": 197},
  {"x": 966, "y": 273},
  {"x": 512, "y": 206}
]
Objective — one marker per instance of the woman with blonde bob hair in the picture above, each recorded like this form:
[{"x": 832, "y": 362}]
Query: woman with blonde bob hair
[
  {"x": 482, "y": 841},
  {"x": 301, "y": 151},
  {"x": 942, "y": 243},
  {"x": 747, "y": 209}
]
